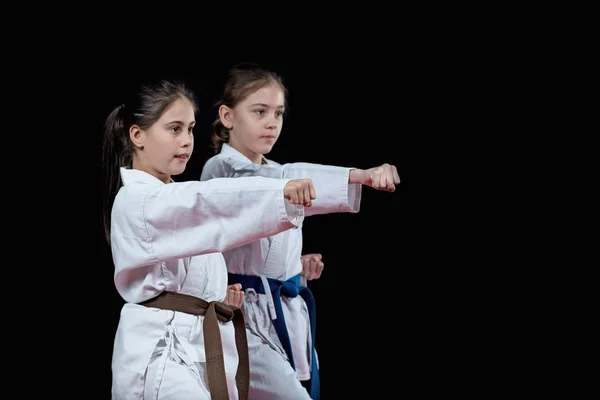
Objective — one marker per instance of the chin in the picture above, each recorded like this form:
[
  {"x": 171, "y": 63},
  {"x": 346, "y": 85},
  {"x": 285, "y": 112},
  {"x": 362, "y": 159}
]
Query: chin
[
  {"x": 177, "y": 171},
  {"x": 266, "y": 149}
]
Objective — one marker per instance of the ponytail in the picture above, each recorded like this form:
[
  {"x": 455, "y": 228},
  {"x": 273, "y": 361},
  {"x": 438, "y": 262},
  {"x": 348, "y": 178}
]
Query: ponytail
[
  {"x": 242, "y": 80},
  {"x": 219, "y": 135},
  {"x": 143, "y": 110},
  {"x": 116, "y": 153}
]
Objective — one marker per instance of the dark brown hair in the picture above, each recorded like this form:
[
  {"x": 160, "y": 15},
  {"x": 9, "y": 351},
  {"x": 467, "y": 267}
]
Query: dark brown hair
[
  {"x": 144, "y": 109},
  {"x": 242, "y": 81}
]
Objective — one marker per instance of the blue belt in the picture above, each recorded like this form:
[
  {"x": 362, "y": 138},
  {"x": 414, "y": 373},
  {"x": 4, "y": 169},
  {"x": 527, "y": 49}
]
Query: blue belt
[{"x": 289, "y": 288}]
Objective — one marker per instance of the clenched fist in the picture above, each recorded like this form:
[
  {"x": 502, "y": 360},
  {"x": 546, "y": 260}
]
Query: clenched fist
[
  {"x": 312, "y": 266},
  {"x": 300, "y": 191},
  {"x": 234, "y": 296},
  {"x": 385, "y": 177}
]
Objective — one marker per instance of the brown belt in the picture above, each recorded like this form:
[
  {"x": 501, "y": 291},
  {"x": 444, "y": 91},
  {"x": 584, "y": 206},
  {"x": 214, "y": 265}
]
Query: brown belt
[{"x": 213, "y": 312}]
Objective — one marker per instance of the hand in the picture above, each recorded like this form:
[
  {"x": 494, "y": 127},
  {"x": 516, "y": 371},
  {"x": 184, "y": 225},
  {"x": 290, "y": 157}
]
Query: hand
[
  {"x": 300, "y": 191},
  {"x": 234, "y": 295},
  {"x": 384, "y": 177},
  {"x": 312, "y": 266}
]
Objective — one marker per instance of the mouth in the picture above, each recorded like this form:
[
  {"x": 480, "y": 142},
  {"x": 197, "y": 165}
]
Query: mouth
[
  {"x": 268, "y": 137},
  {"x": 182, "y": 157}
]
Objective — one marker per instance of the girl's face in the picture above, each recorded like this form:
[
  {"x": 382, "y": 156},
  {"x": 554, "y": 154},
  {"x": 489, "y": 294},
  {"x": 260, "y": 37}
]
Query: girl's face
[
  {"x": 255, "y": 123},
  {"x": 165, "y": 148}
]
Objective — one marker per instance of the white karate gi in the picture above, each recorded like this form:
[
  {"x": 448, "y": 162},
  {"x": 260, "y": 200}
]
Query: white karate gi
[
  {"x": 168, "y": 237},
  {"x": 278, "y": 256}
]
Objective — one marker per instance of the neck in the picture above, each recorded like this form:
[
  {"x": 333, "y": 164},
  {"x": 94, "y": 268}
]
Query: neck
[
  {"x": 137, "y": 164},
  {"x": 256, "y": 158}
]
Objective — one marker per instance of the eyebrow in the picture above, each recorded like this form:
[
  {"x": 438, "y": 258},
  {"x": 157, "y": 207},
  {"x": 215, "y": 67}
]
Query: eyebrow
[
  {"x": 180, "y": 123},
  {"x": 265, "y": 105}
]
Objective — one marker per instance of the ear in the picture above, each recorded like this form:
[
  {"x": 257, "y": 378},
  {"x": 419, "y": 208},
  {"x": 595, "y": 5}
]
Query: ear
[
  {"x": 226, "y": 116},
  {"x": 137, "y": 136}
]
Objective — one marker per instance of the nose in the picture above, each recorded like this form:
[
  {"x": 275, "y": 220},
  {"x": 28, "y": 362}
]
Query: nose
[
  {"x": 187, "y": 140},
  {"x": 272, "y": 122}
]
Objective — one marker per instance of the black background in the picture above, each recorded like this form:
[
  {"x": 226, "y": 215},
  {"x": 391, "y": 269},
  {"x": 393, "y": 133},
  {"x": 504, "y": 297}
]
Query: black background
[
  {"x": 389, "y": 304},
  {"x": 424, "y": 291}
]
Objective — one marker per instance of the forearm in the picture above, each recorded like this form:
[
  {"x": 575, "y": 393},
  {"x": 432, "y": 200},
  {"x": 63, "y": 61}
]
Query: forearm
[{"x": 357, "y": 176}]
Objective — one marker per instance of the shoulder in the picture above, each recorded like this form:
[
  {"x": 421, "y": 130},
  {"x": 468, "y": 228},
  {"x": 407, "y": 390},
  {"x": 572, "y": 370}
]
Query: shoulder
[
  {"x": 218, "y": 166},
  {"x": 133, "y": 195}
]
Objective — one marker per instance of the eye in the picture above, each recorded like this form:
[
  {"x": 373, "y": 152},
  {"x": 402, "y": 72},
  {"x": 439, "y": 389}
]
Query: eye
[
  {"x": 191, "y": 129},
  {"x": 279, "y": 113},
  {"x": 260, "y": 111},
  {"x": 176, "y": 128}
]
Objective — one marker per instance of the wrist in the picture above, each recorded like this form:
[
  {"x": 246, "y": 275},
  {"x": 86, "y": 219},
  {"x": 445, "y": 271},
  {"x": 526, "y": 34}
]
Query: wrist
[{"x": 356, "y": 176}]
